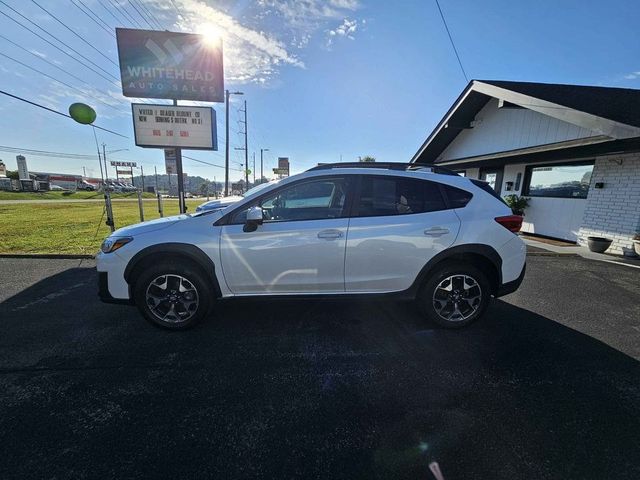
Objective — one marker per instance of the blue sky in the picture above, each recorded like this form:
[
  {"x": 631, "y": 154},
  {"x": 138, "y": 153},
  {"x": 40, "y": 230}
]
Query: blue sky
[{"x": 323, "y": 79}]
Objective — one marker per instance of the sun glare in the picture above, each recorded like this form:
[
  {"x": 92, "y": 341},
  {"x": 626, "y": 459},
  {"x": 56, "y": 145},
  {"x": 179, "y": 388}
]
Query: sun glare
[{"x": 212, "y": 34}]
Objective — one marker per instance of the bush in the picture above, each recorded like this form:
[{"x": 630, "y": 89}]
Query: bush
[{"x": 517, "y": 204}]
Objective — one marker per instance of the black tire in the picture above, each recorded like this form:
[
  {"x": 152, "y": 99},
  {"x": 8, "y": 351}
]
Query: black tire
[
  {"x": 463, "y": 291},
  {"x": 185, "y": 282}
]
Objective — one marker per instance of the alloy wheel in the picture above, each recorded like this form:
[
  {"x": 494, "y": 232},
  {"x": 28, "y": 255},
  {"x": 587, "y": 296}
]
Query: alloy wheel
[
  {"x": 172, "y": 298},
  {"x": 457, "y": 297}
]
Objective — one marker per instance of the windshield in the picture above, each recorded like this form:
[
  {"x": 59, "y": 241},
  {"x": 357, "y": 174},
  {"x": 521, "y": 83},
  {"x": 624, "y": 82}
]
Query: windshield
[{"x": 259, "y": 188}]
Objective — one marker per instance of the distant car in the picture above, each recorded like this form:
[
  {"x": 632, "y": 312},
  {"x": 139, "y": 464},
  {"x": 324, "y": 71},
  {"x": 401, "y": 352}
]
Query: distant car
[
  {"x": 86, "y": 186},
  {"x": 56, "y": 188},
  {"x": 115, "y": 187},
  {"x": 222, "y": 203}
]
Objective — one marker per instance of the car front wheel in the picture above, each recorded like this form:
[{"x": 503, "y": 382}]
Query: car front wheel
[
  {"x": 455, "y": 295},
  {"x": 173, "y": 296}
]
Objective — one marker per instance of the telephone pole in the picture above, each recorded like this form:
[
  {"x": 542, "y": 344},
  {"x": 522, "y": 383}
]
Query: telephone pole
[
  {"x": 254, "y": 168},
  {"x": 262, "y": 150},
  {"x": 227, "y": 94},
  {"x": 246, "y": 147}
]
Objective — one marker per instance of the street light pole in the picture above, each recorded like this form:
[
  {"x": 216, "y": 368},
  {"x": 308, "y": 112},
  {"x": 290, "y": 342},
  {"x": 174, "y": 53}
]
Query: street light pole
[
  {"x": 262, "y": 150},
  {"x": 227, "y": 94}
]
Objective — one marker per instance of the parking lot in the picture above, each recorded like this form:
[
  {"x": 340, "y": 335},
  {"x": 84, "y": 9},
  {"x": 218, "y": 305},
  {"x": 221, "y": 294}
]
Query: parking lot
[{"x": 546, "y": 386}]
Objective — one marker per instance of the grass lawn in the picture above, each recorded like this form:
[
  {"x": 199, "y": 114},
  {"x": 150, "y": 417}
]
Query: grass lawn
[
  {"x": 70, "y": 227},
  {"x": 79, "y": 195}
]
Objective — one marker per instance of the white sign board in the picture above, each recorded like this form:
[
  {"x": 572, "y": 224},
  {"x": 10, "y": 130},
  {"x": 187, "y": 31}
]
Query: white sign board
[
  {"x": 170, "y": 164},
  {"x": 171, "y": 126},
  {"x": 123, "y": 164}
]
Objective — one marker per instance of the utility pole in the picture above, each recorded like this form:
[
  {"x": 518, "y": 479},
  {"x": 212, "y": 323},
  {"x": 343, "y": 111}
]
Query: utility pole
[
  {"x": 84, "y": 172},
  {"x": 254, "y": 168},
  {"x": 104, "y": 159},
  {"x": 181, "y": 203},
  {"x": 105, "y": 188},
  {"x": 155, "y": 169},
  {"x": 142, "y": 175},
  {"x": 227, "y": 94},
  {"x": 246, "y": 147},
  {"x": 262, "y": 150}
]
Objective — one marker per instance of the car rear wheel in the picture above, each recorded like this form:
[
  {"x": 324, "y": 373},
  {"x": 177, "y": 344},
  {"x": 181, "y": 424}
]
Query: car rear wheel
[
  {"x": 455, "y": 295},
  {"x": 173, "y": 295}
]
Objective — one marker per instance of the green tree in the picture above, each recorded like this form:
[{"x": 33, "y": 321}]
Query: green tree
[
  {"x": 367, "y": 158},
  {"x": 13, "y": 174}
]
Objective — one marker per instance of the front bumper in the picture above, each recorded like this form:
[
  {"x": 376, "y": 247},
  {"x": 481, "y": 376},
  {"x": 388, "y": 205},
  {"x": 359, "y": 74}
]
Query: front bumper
[
  {"x": 512, "y": 286},
  {"x": 103, "y": 291}
]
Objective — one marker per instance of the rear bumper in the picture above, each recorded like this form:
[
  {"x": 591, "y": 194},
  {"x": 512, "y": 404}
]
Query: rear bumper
[
  {"x": 103, "y": 291},
  {"x": 512, "y": 286}
]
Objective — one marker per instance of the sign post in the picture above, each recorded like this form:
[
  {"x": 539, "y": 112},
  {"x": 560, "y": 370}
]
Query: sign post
[{"x": 181, "y": 202}]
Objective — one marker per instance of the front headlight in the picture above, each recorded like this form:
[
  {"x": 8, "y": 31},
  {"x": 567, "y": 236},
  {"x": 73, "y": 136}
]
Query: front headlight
[{"x": 112, "y": 244}]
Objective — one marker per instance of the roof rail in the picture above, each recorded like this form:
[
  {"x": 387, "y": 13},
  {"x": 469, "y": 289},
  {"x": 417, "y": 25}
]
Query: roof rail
[{"x": 386, "y": 165}]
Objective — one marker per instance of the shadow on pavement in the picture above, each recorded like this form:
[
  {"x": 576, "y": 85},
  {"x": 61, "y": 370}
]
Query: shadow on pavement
[{"x": 303, "y": 389}]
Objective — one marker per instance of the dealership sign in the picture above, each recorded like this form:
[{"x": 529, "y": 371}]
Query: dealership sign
[
  {"x": 123, "y": 164},
  {"x": 174, "y": 126},
  {"x": 180, "y": 66},
  {"x": 170, "y": 159}
]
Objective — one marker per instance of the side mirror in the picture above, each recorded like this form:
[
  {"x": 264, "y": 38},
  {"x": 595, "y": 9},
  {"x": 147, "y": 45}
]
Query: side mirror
[{"x": 255, "y": 217}]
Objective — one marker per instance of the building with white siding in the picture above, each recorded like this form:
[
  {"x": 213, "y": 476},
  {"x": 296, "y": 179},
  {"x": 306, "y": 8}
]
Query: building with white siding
[{"x": 574, "y": 151}]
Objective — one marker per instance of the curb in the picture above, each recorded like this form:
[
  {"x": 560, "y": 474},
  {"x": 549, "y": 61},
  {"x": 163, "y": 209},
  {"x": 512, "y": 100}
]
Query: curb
[
  {"x": 551, "y": 254},
  {"x": 46, "y": 256}
]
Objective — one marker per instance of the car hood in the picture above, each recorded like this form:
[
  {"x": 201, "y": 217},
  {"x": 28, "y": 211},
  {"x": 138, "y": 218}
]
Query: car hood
[
  {"x": 150, "y": 226},
  {"x": 220, "y": 203}
]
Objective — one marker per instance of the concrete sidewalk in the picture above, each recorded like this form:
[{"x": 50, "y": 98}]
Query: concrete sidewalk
[{"x": 584, "y": 252}]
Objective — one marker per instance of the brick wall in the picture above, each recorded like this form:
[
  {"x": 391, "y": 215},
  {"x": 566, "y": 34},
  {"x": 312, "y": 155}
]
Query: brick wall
[{"x": 613, "y": 211}]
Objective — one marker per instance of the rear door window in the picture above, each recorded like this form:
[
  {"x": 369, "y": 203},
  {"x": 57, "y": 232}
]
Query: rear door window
[{"x": 384, "y": 196}]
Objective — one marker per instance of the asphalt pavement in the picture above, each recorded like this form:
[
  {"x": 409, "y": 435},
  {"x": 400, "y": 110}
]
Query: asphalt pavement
[{"x": 546, "y": 386}]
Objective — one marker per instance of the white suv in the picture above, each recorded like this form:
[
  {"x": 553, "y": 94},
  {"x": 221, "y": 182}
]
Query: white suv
[{"x": 343, "y": 230}]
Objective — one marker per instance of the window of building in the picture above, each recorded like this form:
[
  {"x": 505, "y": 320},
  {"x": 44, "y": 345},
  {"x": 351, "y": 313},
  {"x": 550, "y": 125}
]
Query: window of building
[
  {"x": 567, "y": 180},
  {"x": 380, "y": 196}
]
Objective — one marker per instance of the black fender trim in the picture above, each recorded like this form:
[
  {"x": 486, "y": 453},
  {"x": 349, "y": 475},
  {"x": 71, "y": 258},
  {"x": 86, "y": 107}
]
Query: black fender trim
[
  {"x": 103, "y": 291},
  {"x": 476, "y": 248},
  {"x": 512, "y": 286},
  {"x": 183, "y": 249}
]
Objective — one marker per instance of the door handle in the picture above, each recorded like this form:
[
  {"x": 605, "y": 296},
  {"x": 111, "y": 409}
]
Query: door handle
[
  {"x": 436, "y": 231},
  {"x": 329, "y": 234}
]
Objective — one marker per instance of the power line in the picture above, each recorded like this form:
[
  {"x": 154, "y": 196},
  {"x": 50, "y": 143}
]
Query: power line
[
  {"x": 93, "y": 17},
  {"x": 208, "y": 163},
  {"x": 108, "y": 10},
  {"x": 54, "y": 37},
  {"x": 455, "y": 50},
  {"x": 177, "y": 9},
  {"x": 72, "y": 31},
  {"x": 148, "y": 13},
  {"x": 47, "y": 153},
  {"x": 60, "y": 82},
  {"x": 115, "y": 83},
  {"x": 58, "y": 48},
  {"x": 45, "y": 60},
  {"x": 140, "y": 14},
  {"x": 55, "y": 111},
  {"x": 122, "y": 10}
]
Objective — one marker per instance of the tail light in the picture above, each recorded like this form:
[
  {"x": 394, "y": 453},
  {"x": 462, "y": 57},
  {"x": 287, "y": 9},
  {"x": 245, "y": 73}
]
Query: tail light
[{"x": 513, "y": 223}]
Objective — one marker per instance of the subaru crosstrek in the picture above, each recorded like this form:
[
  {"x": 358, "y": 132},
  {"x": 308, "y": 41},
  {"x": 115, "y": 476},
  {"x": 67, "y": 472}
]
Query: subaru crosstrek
[{"x": 343, "y": 230}]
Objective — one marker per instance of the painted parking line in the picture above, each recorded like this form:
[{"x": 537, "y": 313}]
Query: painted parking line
[{"x": 51, "y": 296}]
